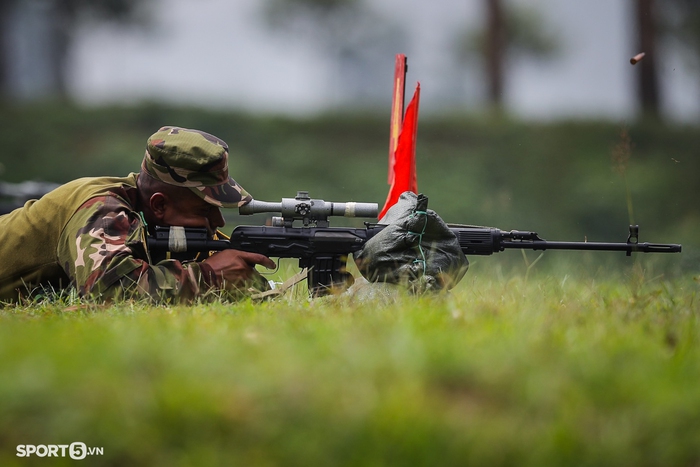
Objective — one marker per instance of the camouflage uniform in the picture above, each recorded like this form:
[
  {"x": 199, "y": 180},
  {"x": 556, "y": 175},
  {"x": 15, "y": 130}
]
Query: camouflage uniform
[{"x": 89, "y": 234}]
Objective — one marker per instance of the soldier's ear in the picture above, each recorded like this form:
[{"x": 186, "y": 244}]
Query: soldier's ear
[{"x": 158, "y": 202}]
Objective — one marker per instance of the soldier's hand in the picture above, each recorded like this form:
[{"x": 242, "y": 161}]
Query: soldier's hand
[{"x": 237, "y": 268}]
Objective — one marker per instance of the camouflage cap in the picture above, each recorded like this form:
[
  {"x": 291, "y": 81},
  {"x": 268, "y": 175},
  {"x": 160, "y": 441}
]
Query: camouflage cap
[{"x": 196, "y": 160}]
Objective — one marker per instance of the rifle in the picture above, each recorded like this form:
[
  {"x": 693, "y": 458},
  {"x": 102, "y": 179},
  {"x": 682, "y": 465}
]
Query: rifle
[{"x": 324, "y": 250}]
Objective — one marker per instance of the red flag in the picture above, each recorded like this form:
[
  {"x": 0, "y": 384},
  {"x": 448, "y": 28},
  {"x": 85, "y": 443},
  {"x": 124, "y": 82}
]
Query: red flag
[{"x": 403, "y": 170}]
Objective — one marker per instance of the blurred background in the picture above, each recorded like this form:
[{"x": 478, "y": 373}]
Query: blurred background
[{"x": 532, "y": 116}]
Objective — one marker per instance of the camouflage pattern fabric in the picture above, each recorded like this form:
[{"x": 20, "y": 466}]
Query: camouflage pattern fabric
[
  {"x": 196, "y": 160},
  {"x": 103, "y": 250},
  {"x": 86, "y": 234}
]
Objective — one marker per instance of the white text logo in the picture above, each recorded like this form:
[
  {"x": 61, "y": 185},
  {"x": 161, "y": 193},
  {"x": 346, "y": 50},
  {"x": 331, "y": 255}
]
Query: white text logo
[{"x": 75, "y": 451}]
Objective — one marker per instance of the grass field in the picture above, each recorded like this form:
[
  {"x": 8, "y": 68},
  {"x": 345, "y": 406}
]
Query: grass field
[
  {"x": 549, "y": 368},
  {"x": 594, "y": 361}
]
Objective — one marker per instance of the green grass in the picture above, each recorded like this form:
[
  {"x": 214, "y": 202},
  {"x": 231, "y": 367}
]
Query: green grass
[
  {"x": 541, "y": 365},
  {"x": 552, "y": 369}
]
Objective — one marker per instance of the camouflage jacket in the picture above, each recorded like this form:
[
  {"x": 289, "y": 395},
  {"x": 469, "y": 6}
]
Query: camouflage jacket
[{"x": 87, "y": 234}]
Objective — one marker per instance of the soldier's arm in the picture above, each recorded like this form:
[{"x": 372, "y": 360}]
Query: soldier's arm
[{"x": 101, "y": 251}]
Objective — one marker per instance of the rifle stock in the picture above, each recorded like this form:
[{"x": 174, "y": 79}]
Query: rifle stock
[{"x": 323, "y": 250}]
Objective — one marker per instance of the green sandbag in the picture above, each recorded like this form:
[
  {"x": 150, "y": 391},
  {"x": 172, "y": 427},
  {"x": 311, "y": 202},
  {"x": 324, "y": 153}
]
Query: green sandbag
[{"x": 416, "y": 249}]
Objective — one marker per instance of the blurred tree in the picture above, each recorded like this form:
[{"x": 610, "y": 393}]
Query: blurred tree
[
  {"x": 681, "y": 24},
  {"x": 63, "y": 19},
  {"x": 494, "y": 50},
  {"x": 360, "y": 42},
  {"x": 647, "y": 78},
  {"x": 509, "y": 32},
  {"x": 5, "y": 7}
]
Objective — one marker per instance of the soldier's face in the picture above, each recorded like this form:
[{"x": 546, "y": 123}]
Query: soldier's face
[{"x": 188, "y": 210}]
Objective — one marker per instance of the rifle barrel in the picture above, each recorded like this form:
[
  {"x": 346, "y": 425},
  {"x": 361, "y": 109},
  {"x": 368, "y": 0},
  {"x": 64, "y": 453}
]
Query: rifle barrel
[
  {"x": 486, "y": 241},
  {"x": 595, "y": 246}
]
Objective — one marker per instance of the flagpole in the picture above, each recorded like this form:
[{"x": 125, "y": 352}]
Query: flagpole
[{"x": 397, "y": 109}]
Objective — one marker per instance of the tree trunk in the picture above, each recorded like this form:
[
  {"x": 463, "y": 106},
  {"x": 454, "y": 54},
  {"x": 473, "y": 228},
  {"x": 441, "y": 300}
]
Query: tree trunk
[
  {"x": 64, "y": 13},
  {"x": 5, "y": 44},
  {"x": 495, "y": 51},
  {"x": 647, "y": 76}
]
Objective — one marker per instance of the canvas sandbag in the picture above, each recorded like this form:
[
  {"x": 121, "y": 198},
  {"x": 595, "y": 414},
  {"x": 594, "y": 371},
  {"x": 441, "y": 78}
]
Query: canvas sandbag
[{"x": 416, "y": 249}]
